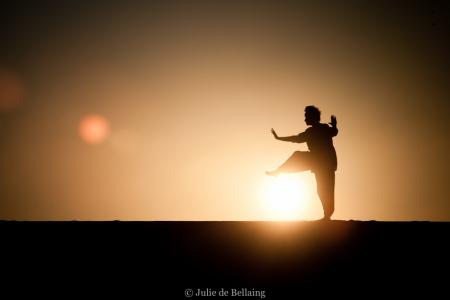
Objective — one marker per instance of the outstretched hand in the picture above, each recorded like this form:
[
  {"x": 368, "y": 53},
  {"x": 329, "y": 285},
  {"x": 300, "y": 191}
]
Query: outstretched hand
[
  {"x": 333, "y": 122},
  {"x": 274, "y": 133}
]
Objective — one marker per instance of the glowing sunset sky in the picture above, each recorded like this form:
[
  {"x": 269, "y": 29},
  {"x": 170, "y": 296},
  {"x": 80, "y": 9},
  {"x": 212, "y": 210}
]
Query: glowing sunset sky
[{"x": 181, "y": 96}]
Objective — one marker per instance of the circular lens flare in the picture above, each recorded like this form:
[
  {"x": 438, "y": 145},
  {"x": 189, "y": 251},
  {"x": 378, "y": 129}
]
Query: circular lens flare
[
  {"x": 12, "y": 91},
  {"x": 124, "y": 141},
  {"x": 94, "y": 129}
]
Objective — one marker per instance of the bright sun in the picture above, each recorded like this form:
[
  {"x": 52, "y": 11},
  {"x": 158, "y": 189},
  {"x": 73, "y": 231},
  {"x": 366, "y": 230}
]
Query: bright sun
[{"x": 286, "y": 197}]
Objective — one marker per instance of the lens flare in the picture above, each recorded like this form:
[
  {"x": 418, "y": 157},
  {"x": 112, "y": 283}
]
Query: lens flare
[
  {"x": 124, "y": 141},
  {"x": 94, "y": 129},
  {"x": 12, "y": 91}
]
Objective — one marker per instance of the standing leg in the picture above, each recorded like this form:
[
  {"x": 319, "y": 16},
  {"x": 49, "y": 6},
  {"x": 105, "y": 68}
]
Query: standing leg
[
  {"x": 325, "y": 188},
  {"x": 299, "y": 161}
]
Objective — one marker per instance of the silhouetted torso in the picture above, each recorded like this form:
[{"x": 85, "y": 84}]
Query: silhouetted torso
[{"x": 319, "y": 139}]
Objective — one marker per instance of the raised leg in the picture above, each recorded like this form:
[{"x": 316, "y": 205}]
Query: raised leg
[{"x": 299, "y": 161}]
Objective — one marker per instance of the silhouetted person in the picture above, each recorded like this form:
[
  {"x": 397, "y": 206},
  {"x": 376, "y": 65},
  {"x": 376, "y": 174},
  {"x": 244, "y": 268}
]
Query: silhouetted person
[{"x": 320, "y": 159}]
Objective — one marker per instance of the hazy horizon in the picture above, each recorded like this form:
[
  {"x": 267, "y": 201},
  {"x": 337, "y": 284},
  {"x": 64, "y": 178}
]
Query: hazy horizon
[{"x": 184, "y": 94}]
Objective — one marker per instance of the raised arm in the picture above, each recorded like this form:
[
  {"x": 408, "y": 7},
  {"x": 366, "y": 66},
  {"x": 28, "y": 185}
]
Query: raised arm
[
  {"x": 300, "y": 138},
  {"x": 333, "y": 129}
]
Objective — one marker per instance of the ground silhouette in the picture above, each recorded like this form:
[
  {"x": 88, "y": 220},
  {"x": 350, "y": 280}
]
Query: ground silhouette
[{"x": 343, "y": 258}]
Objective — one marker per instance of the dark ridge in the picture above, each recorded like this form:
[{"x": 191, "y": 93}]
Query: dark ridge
[{"x": 344, "y": 258}]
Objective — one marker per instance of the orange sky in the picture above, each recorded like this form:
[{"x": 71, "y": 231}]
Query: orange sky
[{"x": 189, "y": 93}]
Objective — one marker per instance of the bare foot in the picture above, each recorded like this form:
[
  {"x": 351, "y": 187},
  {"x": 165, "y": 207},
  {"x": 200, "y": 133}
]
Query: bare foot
[{"x": 272, "y": 173}]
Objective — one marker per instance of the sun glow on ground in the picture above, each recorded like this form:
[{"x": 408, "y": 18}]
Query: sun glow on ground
[{"x": 286, "y": 197}]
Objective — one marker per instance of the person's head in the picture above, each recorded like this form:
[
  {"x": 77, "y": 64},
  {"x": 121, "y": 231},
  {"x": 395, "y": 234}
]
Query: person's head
[{"x": 312, "y": 115}]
